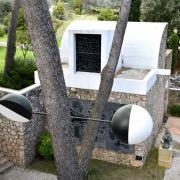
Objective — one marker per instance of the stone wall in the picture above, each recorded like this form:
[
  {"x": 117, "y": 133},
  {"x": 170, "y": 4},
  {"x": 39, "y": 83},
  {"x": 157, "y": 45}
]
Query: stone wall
[
  {"x": 18, "y": 140},
  {"x": 162, "y": 52},
  {"x": 23, "y": 136},
  {"x": 152, "y": 101}
]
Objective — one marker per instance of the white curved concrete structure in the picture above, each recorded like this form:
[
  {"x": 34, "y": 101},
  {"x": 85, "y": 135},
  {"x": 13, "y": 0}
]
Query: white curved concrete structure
[
  {"x": 140, "y": 47},
  {"x": 141, "y": 50},
  {"x": 64, "y": 50}
]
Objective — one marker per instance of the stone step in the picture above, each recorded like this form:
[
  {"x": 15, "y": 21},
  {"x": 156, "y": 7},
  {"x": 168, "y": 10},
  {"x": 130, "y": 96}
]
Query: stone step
[
  {"x": 3, "y": 160},
  {"x": 1, "y": 155},
  {"x": 6, "y": 166}
]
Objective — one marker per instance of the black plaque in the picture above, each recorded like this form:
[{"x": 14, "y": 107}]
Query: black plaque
[{"x": 88, "y": 53}]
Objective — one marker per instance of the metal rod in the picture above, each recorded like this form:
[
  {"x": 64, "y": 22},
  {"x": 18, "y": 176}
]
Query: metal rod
[
  {"x": 77, "y": 117},
  {"x": 91, "y": 119},
  {"x": 41, "y": 113}
]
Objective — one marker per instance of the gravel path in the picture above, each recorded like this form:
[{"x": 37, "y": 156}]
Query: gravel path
[
  {"x": 24, "y": 174},
  {"x": 174, "y": 172}
]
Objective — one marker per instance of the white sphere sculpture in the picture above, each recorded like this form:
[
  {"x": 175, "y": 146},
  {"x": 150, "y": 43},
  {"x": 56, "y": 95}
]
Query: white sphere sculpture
[{"x": 132, "y": 124}]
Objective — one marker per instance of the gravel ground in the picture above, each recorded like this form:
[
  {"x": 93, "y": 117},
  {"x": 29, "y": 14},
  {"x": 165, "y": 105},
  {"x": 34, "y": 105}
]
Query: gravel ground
[
  {"x": 23, "y": 174},
  {"x": 174, "y": 172}
]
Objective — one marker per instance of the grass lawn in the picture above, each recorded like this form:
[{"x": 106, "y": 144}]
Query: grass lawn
[
  {"x": 100, "y": 170},
  {"x": 18, "y": 55}
]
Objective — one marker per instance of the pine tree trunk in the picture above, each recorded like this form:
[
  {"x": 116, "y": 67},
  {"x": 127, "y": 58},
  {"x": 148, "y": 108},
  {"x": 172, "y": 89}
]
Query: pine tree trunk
[
  {"x": 107, "y": 79},
  {"x": 11, "y": 43},
  {"x": 53, "y": 85},
  {"x": 54, "y": 90}
]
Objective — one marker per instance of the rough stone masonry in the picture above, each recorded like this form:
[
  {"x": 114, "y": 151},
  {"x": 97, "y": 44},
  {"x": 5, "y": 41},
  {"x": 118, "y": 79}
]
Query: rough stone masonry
[{"x": 18, "y": 140}]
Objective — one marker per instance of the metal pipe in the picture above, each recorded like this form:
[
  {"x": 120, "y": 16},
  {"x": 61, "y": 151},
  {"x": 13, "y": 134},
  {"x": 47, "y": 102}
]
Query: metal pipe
[{"x": 77, "y": 117}]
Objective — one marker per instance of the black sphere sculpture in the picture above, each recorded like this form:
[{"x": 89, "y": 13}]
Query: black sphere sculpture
[
  {"x": 16, "y": 107},
  {"x": 132, "y": 124}
]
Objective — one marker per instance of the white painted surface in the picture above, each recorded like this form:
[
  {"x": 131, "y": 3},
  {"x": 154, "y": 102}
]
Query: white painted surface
[
  {"x": 140, "y": 46},
  {"x": 12, "y": 115},
  {"x": 84, "y": 80},
  {"x": 140, "y": 125},
  {"x": 140, "y": 50},
  {"x": 3, "y": 44},
  {"x": 166, "y": 72},
  {"x": 64, "y": 50},
  {"x": 22, "y": 91}
]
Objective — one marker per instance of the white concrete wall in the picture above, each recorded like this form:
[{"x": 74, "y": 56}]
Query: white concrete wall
[{"x": 140, "y": 47}]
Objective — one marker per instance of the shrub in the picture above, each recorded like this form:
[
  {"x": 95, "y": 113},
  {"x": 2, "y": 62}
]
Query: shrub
[
  {"x": 23, "y": 41},
  {"x": 45, "y": 148},
  {"x": 174, "y": 110},
  {"x": 77, "y": 6},
  {"x": 107, "y": 15},
  {"x": 2, "y": 31},
  {"x": 77, "y": 11},
  {"x": 59, "y": 11},
  {"x": 173, "y": 43},
  {"x": 56, "y": 23},
  {"x": 20, "y": 76},
  {"x": 135, "y": 11},
  {"x": 5, "y": 8},
  {"x": 6, "y": 21}
]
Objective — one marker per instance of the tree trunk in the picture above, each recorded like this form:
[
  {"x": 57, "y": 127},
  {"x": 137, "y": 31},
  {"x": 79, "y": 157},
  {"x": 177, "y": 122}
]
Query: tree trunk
[
  {"x": 85, "y": 5},
  {"x": 11, "y": 43},
  {"x": 107, "y": 79},
  {"x": 54, "y": 90},
  {"x": 53, "y": 85}
]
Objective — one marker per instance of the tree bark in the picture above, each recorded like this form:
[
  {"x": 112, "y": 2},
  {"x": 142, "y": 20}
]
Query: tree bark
[
  {"x": 11, "y": 43},
  {"x": 107, "y": 79},
  {"x": 54, "y": 90},
  {"x": 53, "y": 85}
]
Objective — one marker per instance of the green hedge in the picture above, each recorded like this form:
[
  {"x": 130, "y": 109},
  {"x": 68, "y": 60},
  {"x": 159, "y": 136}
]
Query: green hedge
[
  {"x": 45, "y": 148},
  {"x": 21, "y": 75},
  {"x": 174, "y": 110},
  {"x": 107, "y": 15},
  {"x": 173, "y": 43},
  {"x": 59, "y": 11}
]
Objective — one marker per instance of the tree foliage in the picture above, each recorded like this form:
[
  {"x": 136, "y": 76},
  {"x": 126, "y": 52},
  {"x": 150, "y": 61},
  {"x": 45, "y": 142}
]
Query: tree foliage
[
  {"x": 165, "y": 11},
  {"x": 162, "y": 11},
  {"x": 59, "y": 11},
  {"x": 107, "y": 15},
  {"x": 2, "y": 31},
  {"x": 22, "y": 36},
  {"x": 135, "y": 12},
  {"x": 5, "y": 8},
  {"x": 77, "y": 6},
  {"x": 11, "y": 42},
  {"x": 173, "y": 43}
]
